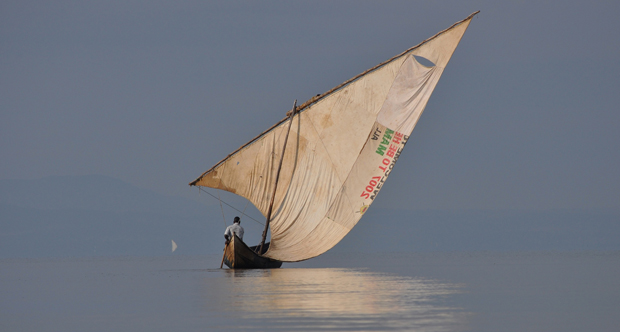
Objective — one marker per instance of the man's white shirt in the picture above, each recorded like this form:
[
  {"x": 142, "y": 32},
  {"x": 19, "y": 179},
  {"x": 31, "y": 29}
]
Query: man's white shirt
[{"x": 234, "y": 229}]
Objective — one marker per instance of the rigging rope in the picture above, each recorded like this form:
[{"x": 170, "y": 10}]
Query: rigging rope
[
  {"x": 246, "y": 206},
  {"x": 221, "y": 208},
  {"x": 232, "y": 207}
]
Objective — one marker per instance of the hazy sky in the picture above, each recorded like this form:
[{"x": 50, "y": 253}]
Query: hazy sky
[{"x": 526, "y": 115}]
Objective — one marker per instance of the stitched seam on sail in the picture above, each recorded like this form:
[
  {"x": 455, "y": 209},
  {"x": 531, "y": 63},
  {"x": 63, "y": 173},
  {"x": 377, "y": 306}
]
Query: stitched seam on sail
[{"x": 318, "y": 135}]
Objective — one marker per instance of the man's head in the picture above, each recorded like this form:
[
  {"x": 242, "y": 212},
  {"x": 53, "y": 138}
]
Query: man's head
[{"x": 237, "y": 220}]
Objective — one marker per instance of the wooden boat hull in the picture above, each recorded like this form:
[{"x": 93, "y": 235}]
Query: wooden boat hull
[{"x": 237, "y": 255}]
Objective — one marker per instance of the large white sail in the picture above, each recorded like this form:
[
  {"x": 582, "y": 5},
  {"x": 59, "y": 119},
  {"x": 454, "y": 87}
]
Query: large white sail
[{"x": 342, "y": 148}]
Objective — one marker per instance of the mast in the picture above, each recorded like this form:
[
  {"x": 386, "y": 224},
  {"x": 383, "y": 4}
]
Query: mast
[{"x": 262, "y": 242}]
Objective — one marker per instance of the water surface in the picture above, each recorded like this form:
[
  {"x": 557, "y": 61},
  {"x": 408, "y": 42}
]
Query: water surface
[{"x": 536, "y": 291}]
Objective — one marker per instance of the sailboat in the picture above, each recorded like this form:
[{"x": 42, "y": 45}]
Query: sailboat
[{"x": 315, "y": 173}]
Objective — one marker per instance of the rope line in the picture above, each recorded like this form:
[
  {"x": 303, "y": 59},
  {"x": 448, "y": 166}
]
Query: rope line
[
  {"x": 230, "y": 206},
  {"x": 221, "y": 208},
  {"x": 246, "y": 206}
]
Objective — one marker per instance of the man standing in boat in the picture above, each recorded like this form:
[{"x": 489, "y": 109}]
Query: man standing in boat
[{"x": 234, "y": 229}]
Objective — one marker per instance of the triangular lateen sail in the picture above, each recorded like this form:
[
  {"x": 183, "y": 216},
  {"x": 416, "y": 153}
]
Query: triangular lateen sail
[{"x": 342, "y": 148}]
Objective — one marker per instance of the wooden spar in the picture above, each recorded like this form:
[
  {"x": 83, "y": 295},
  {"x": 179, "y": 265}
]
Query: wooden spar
[
  {"x": 317, "y": 98},
  {"x": 275, "y": 186},
  {"x": 224, "y": 255}
]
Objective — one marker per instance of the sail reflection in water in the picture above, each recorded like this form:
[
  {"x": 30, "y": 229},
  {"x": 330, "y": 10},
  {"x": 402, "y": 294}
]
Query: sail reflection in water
[{"x": 333, "y": 299}]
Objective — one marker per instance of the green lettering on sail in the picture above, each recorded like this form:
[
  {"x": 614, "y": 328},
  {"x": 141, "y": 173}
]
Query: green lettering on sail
[
  {"x": 381, "y": 149},
  {"x": 387, "y": 136}
]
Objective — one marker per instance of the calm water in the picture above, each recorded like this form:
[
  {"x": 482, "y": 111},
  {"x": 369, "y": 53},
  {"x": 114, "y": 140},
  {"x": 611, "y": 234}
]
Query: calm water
[{"x": 418, "y": 292}]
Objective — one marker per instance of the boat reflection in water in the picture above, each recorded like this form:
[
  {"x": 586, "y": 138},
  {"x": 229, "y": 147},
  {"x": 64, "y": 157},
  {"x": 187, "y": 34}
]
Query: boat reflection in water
[{"x": 333, "y": 299}]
